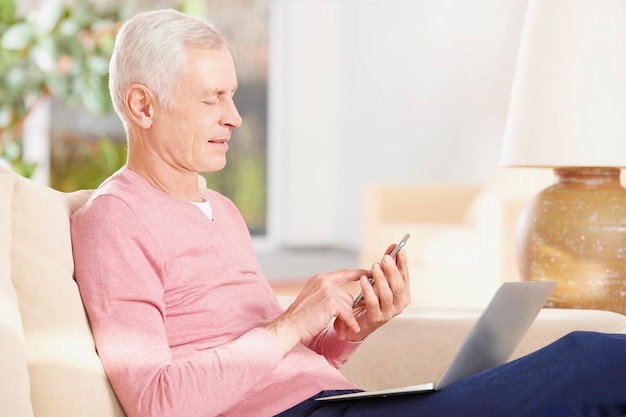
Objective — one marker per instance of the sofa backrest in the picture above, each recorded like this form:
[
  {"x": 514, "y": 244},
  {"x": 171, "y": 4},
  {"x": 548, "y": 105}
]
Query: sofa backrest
[
  {"x": 14, "y": 384},
  {"x": 65, "y": 375}
]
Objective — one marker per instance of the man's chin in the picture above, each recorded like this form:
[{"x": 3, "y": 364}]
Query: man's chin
[{"x": 213, "y": 167}]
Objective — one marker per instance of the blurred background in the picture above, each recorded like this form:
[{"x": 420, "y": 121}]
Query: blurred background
[{"x": 336, "y": 95}]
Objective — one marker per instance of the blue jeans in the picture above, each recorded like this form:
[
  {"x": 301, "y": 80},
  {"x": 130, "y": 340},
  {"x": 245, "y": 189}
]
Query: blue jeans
[{"x": 582, "y": 374}]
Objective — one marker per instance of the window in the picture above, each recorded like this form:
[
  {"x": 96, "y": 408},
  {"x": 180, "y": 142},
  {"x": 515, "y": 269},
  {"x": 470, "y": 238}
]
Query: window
[{"x": 86, "y": 148}]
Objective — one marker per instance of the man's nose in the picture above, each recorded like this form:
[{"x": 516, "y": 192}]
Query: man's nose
[{"x": 232, "y": 118}]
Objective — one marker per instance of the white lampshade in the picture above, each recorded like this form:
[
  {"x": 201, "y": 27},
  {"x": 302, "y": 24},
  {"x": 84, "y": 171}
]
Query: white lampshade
[{"x": 568, "y": 102}]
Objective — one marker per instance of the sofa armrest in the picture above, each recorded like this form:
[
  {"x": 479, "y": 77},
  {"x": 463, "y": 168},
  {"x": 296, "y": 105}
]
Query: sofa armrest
[
  {"x": 421, "y": 202},
  {"x": 390, "y": 210}
]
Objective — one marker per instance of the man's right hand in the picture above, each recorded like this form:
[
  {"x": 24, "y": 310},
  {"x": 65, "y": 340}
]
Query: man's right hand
[{"x": 321, "y": 300}]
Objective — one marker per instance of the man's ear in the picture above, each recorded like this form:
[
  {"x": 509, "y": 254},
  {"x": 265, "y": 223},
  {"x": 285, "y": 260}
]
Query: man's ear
[{"x": 141, "y": 105}]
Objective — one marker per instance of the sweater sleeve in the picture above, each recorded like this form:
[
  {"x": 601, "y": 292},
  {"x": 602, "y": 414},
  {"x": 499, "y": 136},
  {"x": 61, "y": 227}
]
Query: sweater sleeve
[
  {"x": 336, "y": 351},
  {"x": 120, "y": 270}
]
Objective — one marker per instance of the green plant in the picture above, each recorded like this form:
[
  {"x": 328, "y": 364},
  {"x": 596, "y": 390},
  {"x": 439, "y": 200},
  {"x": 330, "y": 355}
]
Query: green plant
[
  {"x": 11, "y": 151},
  {"x": 244, "y": 180},
  {"x": 61, "y": 49},
  {"x": 80, "y": 162}
]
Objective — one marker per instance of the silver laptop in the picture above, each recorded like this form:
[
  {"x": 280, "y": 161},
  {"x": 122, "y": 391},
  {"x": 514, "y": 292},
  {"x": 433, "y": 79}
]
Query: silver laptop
[{"x": 490, "y": 343}]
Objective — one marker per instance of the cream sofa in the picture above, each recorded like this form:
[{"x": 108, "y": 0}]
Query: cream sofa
[{"x": 49, "y": 367}]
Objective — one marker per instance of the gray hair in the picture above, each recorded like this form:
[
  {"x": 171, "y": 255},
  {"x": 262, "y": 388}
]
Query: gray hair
[{"x": 150, "y": 49}]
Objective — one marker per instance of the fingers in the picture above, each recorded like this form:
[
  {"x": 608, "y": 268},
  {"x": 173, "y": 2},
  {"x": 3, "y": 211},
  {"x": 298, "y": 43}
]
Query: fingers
[
  {"x": 382, "y": 278},
  {"x": 340, "y": 277},
  {"x": 368, "y": 292},
  {"x": 401, "y": 262},
  {"x": 321, "y": 300},
  {"x": 350, "y": 323},
  {"x": 391, "y": 281},
  {"x": 390, "y": 248},
  {"x": 398, "y": 276},
  {"x": 384, "y": 299}
]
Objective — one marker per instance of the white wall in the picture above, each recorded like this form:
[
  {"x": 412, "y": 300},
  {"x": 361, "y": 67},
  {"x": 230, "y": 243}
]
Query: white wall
[{"x": 379, "y": 91}]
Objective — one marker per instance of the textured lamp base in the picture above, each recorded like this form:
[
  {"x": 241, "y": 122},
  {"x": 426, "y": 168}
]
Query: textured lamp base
[{"x": 574, "y": 232}]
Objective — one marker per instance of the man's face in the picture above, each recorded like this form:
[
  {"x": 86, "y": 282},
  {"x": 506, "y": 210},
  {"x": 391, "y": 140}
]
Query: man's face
[{"x": 193, "y": 134}]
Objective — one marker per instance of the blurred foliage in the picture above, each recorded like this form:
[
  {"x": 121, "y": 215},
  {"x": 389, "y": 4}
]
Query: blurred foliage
[
  {"x": 244, "y": 181},
  {"x": 79, "y": 162},
  {"x": 195, "y": 7},
  {"x": 61, "y": 49},
  {"x": 11, "y": 151}
]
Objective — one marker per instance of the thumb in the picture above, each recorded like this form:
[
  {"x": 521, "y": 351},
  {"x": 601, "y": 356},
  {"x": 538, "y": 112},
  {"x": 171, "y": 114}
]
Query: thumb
[{"x": 340, "y": 328}]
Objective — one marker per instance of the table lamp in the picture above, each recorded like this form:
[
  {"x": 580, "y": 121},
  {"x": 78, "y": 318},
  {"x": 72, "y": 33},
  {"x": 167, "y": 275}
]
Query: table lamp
[{"x": 567, "y": 112}]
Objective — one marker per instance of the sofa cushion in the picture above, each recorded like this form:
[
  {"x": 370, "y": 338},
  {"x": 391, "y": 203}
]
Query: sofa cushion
[
  {"x": 66, "y": 377},
  {"x": 14, "y": 384}
]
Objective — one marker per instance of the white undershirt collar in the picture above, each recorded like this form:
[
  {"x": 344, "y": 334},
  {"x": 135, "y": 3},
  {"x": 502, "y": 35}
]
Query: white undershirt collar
[{"x": 205, "y": 207}]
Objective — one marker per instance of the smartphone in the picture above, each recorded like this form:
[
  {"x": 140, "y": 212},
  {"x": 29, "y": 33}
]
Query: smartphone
[{"x": 393, "y": 254}]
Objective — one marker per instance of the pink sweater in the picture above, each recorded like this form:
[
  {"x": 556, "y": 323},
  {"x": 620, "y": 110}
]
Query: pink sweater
[{"x": 175, "y": 302}]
